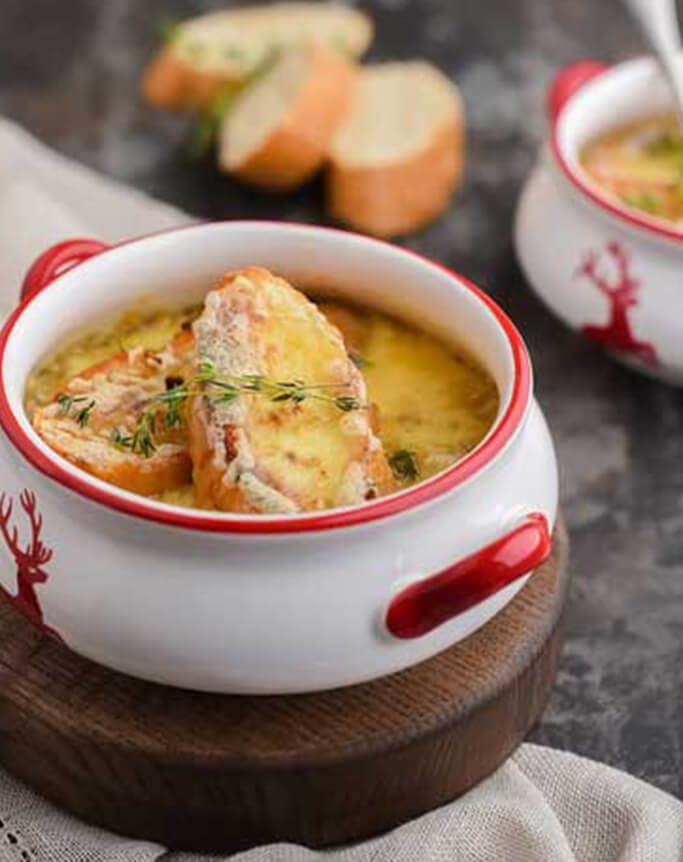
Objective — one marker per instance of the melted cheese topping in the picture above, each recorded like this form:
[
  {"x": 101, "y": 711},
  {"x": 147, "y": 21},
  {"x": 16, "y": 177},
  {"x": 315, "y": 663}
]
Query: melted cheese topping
[
  {"x": 428, "y": 399},
  {"x": 431, "y": 401},
  {"x": 133, "y": 329}
]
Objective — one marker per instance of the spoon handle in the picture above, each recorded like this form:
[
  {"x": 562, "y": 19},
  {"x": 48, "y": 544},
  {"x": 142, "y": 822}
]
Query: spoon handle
[{"x": 659, "y": 23}]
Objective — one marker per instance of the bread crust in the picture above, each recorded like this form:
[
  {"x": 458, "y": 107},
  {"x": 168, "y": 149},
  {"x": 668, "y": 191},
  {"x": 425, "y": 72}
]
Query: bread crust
[
  {"x": 171, "y": 83},
  {"x": 119, "y": 387},
  {"x": 298, "y": 145},
  {"x": 232, "y": 446},
  {"x": 353, "y": 325},
  {"x": 401, "y": 197}
]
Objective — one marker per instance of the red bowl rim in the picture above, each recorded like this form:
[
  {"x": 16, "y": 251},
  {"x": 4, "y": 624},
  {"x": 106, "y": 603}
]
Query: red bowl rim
[
  {"x": 631, "y": 218},
  {"x": 464, "y": 469}
]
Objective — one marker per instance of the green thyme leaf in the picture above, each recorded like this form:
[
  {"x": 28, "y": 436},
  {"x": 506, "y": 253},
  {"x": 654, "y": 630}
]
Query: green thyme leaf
[
  {"x": 646, "y": 201},
  {"x": 207, "y": 370},
  {"x": 67, "y": 404},
  {"x": 403, "y": 465},
  {"x": 123, "y": 441},
  {"x": 83, "y": 415},
  {"x": 169, "y": 30},
  {"x": 668, "y": 144},
  {"x": 202, "y": 137},
  {"x": 225, "y": 397},
  {"x": 174, "y": 400},
  {"x": 267, "y": 61},
  {"x": 142, "y": 438},
  {"x": 252, "y": 382},
  {"x": 347, "y": 403},
  {"x": 209, "y": 121},
  {"x": 165, "y": 408},
  {"x": 359, "y": 361}
]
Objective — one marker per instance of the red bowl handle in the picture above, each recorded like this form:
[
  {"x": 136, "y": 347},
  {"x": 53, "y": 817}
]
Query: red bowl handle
[
  {"x": 57, "y": 260},
  {"x": 425, "y": 605},
  {"x": 568, "y": 81}
]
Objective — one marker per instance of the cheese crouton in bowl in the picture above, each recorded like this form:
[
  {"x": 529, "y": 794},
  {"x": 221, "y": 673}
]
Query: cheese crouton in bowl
[{"x": 266, "y": 458}]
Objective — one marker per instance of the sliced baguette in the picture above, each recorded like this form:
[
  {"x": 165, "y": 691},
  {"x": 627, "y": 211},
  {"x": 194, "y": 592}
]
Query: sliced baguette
[
  {"x": 255, "y": 454},
  {"x": 118, "y": 390},
  {"x": 398, "y": 156},
  {"x": 279, "y": 129},
  {"x": 226, "y": 48}
]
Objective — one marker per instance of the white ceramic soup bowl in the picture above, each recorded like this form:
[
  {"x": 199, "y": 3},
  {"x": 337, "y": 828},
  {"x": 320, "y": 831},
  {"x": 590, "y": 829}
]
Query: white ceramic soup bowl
[
  {"x": 610, "y": 272},
  {"x": 268, "y": 604}
]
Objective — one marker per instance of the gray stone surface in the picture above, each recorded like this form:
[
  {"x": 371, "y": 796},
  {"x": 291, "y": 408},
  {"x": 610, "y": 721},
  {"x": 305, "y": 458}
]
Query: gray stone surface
[{"x": 69, "y": 72}]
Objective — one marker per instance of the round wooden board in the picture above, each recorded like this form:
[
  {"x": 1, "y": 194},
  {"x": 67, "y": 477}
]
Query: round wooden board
[{"x": 221, "y": 773}]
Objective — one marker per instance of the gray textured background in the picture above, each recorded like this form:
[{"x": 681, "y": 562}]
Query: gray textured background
[{"x": 69, "y": 72}]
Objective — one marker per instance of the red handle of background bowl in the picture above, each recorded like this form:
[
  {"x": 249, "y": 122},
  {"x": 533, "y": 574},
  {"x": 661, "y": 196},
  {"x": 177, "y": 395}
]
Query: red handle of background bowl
[
  {"x": 568, "y": 81},
  {"x": 56, "y": 260},
  {"x": 425, "y": 605}
]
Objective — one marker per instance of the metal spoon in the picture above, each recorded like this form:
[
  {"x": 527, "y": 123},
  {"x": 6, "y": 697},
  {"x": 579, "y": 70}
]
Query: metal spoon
[{"x": 659, "y": 23}]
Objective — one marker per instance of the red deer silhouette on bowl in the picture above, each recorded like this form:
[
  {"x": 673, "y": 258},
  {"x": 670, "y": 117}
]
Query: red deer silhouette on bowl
[
  {"x": 29, "y": 560},
  {"x": 618, "y": 334}
]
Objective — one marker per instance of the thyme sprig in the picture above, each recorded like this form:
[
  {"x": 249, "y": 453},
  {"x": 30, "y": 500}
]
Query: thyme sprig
[
  {"x": 141, "y": 440},
  {"x": 210, "y": 118},
  {"x": 165, "y": 408},
  {"x": 68, "y": 405},
  {"x": 209, "y": 121},
  {"x": 226, "y": 389}
]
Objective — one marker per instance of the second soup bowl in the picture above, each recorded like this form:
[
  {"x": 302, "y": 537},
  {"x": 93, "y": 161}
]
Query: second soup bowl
[{"x": 607, "y": 270}]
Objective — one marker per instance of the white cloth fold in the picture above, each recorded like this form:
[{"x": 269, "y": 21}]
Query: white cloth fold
[
  {"x": 45, "y": 198},
  {"x": 540, "y": 806}
]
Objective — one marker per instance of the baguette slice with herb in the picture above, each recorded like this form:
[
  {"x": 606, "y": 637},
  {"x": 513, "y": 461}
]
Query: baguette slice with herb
[
  {"x": 398, "y": 156},
  {"x": 308, "y": 447},
  {"x": 278, "y": 130},
  {"x": 93, "y": 421},
  {"x": 223, "y": 50}
]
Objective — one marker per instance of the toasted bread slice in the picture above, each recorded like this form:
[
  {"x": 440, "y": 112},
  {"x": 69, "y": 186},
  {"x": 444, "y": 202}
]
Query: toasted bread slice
[
  {"x": 259, "y": 454},
  {"x": 117, "y": 392},
  {"x": 224, "y": 49},
  {"x": 398, "y": 156},
  {"x": 278, "y": 131}
]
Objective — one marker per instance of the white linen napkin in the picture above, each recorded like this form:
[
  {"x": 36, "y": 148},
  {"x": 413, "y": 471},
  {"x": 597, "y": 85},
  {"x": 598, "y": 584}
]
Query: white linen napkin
[
  {"x": 45, "y": 198},
  {"x": 540, "y": 806}
]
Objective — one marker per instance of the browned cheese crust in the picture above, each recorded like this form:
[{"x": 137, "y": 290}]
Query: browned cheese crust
[
  {"x": 257, "y": 455},
  {"x": 120, "y": 388}
]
